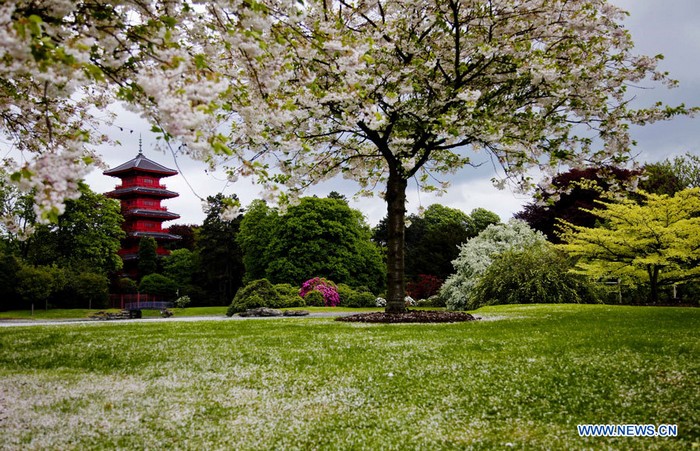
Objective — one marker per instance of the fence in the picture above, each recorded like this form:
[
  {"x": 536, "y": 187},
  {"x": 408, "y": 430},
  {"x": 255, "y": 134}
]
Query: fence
[{"x": 137, "y": 301}]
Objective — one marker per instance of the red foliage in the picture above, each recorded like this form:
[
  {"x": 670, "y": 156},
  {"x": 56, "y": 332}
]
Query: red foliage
[{"x": 424, "y": 286}]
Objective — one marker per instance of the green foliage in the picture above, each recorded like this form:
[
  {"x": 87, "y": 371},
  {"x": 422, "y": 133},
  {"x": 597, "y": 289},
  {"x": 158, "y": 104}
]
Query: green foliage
[
  {"x": 479, "y": 219},
  {"x": 286, "y": 289},
  {"x": 289, "y": 296},
  {"x": 344, "y": 291},
  {"x": 36, "y": 284},
  {"x": 85, "y": 290},
  {"x": 314, "y": 299},
  {"x": 258, "y": 293},
  {"x": 292, "y": 300},
  {"x": 159, "y": 285},
  {"x": 477, "y": 254},
  {"x": 432, "y": 238},
  {"x": 671, "y": 176},
  {"x": 9, "y": 267},
  {"x": 254, "y": 238},
  {"x": 317, "y": 237},
  {"x": 86, "y": 237},
  {"x": 180, "y": 265},
  {"x": 219, "y": 254},
  {"x": 656, "y": 242},
  {"x": 361, "y": 299},
  {"x": 126, "y": 285},
  {"x": 432, "y": 301},
  {"x": 148, "y": 257},
  {"x": 538, "y": 274}
]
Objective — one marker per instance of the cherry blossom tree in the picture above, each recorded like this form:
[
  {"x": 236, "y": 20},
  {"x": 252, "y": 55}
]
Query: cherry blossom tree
[
  {"x": 64, "y": 63},
  {"x": 298, "y": 91},
  {"x": 383, "y": 92}
]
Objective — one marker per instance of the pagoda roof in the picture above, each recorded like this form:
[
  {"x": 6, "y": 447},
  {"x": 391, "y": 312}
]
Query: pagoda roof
[
  {"x": 156, "y": 235},
  {"x": 140, "y": 164},
  {"x": 144, "y": 212},
  {"x": 141, "y": 191}
]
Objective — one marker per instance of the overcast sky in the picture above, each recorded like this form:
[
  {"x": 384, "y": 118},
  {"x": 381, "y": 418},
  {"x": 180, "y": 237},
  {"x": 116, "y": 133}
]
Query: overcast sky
[{"x": 669, "y": 27}]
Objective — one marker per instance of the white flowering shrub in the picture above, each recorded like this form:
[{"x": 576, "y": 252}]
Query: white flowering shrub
[
  {"x": 477, "y": 254},
  {"x": 183, "y": 301},
  {"x": 380, "y": 302},
  {"x": 410, "y": 302}
]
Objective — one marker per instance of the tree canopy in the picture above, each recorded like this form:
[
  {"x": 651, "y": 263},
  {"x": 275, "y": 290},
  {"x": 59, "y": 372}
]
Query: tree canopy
[
  {"x": 316, "y": 238},
  {"x": 433, "y": 237},
  {"x": 219, "y": 255},
  {"x": 671, "y": 176},
  {"x": 576, "y": 192},
  {"x": 656, "y": 242}
]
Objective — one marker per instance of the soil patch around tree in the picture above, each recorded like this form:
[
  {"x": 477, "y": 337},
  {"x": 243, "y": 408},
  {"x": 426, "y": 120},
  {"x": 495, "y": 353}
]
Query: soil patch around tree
[{"x": 411, "y": 316}]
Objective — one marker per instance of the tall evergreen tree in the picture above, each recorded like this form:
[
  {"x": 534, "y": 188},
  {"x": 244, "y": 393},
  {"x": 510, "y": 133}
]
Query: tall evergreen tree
[{"x": 220, "y": 256}]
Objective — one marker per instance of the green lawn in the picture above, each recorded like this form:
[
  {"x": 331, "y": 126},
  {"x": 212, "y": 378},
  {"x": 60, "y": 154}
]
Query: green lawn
[
  {"x": 523, "y": 381},
  {"x": 41, "y": 314}
]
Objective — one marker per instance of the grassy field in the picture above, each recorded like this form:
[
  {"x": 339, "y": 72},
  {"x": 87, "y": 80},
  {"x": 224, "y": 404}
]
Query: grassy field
[
  {"x": 41, "y": 314},
  {"x": 522, "y": 381}
]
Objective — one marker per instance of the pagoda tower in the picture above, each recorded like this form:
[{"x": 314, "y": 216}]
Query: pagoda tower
[{"x": 140, "y": 194}]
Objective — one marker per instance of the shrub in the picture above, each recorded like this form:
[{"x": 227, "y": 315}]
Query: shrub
[
  {"x": 314, "y": 299},
  {"x": 293, "y": 300},
  {"x": 380, "y": 302},
  {"x": 537, "y": 274},
  {"x": 436, "y": 301},
  {"x": 424, "y": 286},
  {"x": 362, "y": 299},
  {"x": 258, "y": 293},
  {"x": 476, "y": 255},
  {"x": 288, "y": 296},
  {"x": 344, "y": 292},
  {"x": 159, "y": 285},
  {"x": 432, "y": 301},
  {"x": 286, "y": 289},
  {"x": 182, "y": 301},
  {"x": 328, "y": 290}
]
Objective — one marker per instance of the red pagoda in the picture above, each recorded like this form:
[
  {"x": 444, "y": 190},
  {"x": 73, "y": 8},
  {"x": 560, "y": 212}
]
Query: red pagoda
[{"x": 140, "y": 194}]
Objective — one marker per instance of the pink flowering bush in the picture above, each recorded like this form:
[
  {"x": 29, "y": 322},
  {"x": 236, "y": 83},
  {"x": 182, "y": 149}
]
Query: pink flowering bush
[{"x": 328, "y": 289}]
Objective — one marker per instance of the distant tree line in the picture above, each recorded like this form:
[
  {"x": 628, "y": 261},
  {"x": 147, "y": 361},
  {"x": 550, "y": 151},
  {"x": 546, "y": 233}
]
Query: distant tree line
[{"x": 74, "y": 262}]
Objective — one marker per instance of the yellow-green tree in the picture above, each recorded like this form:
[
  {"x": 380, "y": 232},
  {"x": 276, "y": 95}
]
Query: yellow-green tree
[{"x": 655, "y": 241}]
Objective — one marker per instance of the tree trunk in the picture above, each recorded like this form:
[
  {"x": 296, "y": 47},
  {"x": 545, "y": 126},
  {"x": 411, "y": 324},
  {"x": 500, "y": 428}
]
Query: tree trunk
[
  {"x": 653, "y": 284},
  {"x": 396, "y": 214}
]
